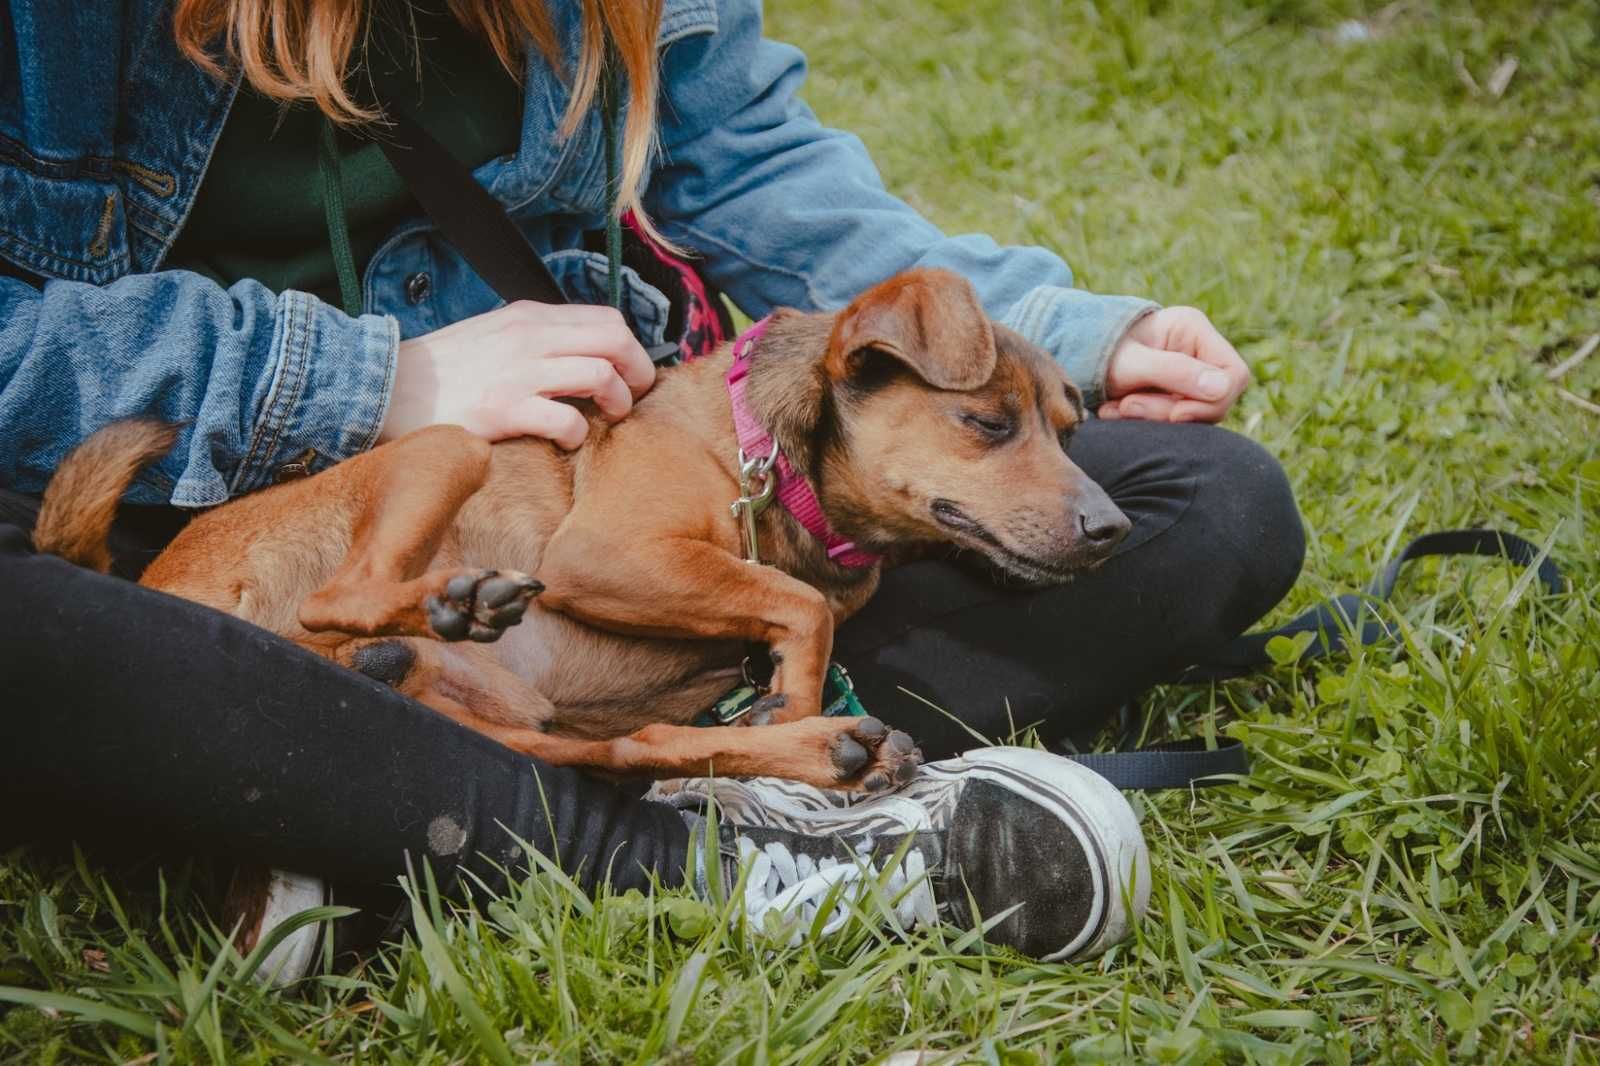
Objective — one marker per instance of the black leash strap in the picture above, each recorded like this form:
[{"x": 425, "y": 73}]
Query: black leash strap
[
  {"x": 466, "y": 214},
  {"x": 475, "y": 223},
  {"x": 1353, "y": 615},
  {"x": 1189, "y": 763},
  {"x": 1173, "y": 764}
]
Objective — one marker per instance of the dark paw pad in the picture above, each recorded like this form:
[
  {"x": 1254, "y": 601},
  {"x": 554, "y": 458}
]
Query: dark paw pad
[
  {"x": 872, "y": 729},
  {"x": 877, "y": 756},
  {"x": 849, "y": 755},
  {"x": 480, "y": 606}
]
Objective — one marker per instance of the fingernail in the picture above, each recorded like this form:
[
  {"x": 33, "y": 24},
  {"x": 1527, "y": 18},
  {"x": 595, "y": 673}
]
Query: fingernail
[
  {"x": 1133, "y": 408},
  {"x": 1213, "y": 384}
]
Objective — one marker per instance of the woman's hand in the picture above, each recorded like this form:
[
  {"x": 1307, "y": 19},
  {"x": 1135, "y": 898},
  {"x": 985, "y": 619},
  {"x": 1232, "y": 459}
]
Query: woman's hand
[
  {"x": 1173, "y": 366},
  {"x": 498, "y": 374}
]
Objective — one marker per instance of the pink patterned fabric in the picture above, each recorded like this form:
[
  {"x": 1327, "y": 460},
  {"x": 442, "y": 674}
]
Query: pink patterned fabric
[
  {"x": 794, "y": 491},
  {"x": 702, "y": 329}
]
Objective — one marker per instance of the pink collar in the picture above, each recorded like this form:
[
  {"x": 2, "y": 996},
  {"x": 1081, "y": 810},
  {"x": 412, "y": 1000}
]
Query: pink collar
[{"x": 794, "y": 491}]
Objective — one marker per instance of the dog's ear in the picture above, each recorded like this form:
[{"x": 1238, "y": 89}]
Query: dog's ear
[{"x": 929, "y": 320}]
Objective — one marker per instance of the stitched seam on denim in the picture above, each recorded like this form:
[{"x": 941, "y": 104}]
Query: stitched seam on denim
[
  {"x": 1102, "y": 363},
  {"x": 1029, "y": 312},
  {"x": 89, "y": 166},
  {"x": 291, "y": 369},
  {"x": 696, "y": 18},
  {"x": 178, "y": 223},
  {"x": 102, "y": 167},
  {"x": 741, "y": 257},
  {"x": 302, "y": 376},
  {"x": 57, "y": 256},
  {"x": 133, "y": 222},
  {"x": 290, "y": 327},
  {"x": 391, "y": 343},
  {"x": 1031, "y": 317},
  {"x": 44, "y": 267},
  {"x": 933, "y": 620}
]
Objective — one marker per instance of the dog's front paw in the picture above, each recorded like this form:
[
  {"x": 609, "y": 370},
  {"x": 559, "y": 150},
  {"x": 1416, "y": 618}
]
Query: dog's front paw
[
  {"x": 869, "y": 755},
  {"x": 481, "y": 604}
]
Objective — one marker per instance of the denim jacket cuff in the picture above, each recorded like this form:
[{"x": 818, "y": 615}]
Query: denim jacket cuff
[
  {"x": 330, "y": 390},
  {"x": 1081, "y": 329}
]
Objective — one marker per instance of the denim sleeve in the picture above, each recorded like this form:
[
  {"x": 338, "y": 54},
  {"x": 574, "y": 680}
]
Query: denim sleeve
[
  {"x": 788, "y": 213},
  {"x": 254, "y": 378}
]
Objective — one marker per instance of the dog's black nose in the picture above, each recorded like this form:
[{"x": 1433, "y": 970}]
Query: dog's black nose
[{"x": 1103, "y": 526}]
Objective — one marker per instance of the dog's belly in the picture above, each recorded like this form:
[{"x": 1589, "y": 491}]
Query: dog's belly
[{"x": 605, "y": 684}]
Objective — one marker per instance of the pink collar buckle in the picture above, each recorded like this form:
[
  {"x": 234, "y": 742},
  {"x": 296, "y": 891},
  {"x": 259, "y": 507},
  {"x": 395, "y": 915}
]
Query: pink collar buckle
[{"x": 794, "y": 491}]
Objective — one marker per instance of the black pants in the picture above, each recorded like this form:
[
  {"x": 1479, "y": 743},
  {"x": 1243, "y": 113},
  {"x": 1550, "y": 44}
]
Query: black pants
[{"x": 131, "y": 715}]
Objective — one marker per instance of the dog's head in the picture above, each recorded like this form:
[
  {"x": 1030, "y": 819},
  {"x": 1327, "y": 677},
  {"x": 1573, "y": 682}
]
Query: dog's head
[{"x": 927, "y": 422}]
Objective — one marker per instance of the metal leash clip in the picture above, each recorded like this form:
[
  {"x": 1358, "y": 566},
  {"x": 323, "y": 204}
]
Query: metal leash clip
[{"x": 757, "y": 486}]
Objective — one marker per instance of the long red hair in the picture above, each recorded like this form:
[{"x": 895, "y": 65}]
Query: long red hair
[{"x": 304, "y": 50}]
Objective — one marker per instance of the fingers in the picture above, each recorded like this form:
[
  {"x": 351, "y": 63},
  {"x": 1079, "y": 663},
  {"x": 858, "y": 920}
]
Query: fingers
[
  {"x": 536, "y": 416},
  {"x": 1194, "y": 411},
  {"x": 1141, "y": 368},
  {"x": 1208, "y": 345},
  {"x": 1175, "y": 366},
  {"x": 1161, "y": 407},
  {"x": 587, "y": 377},
  {"x": 557, "y": 330},
  {"x": 1190, "y": 332},
  {"x": 1148, "y": 406}
]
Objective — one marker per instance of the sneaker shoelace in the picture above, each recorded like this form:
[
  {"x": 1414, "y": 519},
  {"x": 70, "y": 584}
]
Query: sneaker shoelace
[{"x": 796, "y": 887}]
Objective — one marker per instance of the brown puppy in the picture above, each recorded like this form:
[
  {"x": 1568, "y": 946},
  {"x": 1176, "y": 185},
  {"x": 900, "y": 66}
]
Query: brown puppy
[{"x": 917, "y": 421}]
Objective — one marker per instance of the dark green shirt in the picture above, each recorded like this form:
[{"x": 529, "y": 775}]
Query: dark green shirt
[{"x": 260, "y": 211}]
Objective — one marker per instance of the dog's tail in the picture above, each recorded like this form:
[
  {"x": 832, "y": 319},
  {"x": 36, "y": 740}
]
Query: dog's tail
[{"x": 81, "y": 499}]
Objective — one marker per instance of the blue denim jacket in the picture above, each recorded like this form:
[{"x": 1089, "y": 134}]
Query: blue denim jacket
[{"x": 105, "y": 133}]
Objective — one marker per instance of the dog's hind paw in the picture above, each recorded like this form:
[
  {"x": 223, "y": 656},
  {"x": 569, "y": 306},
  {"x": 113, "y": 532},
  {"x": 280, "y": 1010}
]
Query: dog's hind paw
[
  {"x": 480, "y": 605},
  {"x": 869, "y": 755}
]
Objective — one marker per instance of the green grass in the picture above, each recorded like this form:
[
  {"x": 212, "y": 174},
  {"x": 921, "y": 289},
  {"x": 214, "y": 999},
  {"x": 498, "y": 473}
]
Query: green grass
[{"x": 1413, "y": 870}]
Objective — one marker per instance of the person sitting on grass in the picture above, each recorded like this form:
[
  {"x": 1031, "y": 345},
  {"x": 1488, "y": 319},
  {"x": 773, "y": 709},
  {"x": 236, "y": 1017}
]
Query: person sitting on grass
[{"x": 201, "y": 227}]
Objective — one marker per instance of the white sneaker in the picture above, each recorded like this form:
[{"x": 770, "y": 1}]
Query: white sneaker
[
  {"x": 1003, "y": 826},
  {"x": 260, "y": 900}
]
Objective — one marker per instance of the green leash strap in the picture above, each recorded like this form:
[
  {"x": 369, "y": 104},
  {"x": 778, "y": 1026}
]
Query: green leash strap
[
  {"x": 344, "y": 260},
  {"x": 610, "y": 112},
  {"x": 839, "y": 700}
]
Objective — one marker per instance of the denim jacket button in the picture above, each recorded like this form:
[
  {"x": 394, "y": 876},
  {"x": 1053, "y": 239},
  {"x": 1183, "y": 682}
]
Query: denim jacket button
[{"x": 418, "y": 287}]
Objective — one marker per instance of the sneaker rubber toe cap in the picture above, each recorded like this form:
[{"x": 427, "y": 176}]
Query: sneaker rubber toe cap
[{"x": 1038, "y": 830}]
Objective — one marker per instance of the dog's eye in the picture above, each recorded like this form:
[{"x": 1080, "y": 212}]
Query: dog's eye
[{"x": 995, "y": 428}]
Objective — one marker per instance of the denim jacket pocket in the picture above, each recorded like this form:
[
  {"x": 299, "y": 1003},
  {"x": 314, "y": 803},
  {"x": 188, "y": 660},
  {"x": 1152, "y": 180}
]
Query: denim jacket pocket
[
  {"x": 73, "y": 228},
  {"x": 583, "y": 277}
]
